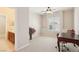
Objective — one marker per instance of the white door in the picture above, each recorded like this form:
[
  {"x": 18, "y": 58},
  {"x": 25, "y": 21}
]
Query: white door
[{"x": 2, "y": 27}]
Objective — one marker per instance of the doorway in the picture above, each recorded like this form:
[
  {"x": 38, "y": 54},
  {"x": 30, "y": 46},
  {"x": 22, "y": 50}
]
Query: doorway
[{"x": 7, "y": 29}]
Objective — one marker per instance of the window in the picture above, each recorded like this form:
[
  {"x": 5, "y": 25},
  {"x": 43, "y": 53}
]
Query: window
[{"x": 54, "y": 21}]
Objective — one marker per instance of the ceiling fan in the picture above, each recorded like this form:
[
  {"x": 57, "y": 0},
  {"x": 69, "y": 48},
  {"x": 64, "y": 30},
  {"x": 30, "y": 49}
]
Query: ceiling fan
[{"x": 47, "y": 11}]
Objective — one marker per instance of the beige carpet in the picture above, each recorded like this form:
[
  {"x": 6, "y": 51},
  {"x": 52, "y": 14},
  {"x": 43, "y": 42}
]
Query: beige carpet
[
  {"x": 6, "y": 45},
  {"x": 46, "y": 44}
]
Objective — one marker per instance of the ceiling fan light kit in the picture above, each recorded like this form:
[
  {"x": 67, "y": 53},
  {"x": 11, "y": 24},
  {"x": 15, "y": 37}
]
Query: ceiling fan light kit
[{"x": 48, "y": 11}]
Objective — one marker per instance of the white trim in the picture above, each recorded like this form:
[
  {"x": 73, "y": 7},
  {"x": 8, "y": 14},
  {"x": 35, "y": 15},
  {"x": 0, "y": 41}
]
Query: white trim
[{"x": 22, "y": 47}]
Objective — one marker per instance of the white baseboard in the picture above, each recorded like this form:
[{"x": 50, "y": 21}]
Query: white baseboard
[{"x": 22, "y": 47}]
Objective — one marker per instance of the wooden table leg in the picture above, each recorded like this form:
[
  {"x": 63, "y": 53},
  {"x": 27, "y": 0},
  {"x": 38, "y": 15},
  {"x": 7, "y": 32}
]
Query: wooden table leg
[{"x": 58, "y": 43}]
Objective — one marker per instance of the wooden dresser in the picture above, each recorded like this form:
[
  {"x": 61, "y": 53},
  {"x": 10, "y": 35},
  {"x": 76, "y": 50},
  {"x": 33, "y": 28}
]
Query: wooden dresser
[{"x": 11, "y": 37}]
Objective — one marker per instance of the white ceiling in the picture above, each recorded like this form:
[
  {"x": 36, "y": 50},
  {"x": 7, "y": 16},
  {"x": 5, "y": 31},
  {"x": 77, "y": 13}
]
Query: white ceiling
[{"x": 40, "y": 9}]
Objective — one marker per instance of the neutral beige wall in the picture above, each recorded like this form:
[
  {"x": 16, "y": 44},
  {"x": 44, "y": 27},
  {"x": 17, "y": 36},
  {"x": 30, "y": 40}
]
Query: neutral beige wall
[
  {"x": 22, "y": 27},
  {"x": 68, "y": 19}
]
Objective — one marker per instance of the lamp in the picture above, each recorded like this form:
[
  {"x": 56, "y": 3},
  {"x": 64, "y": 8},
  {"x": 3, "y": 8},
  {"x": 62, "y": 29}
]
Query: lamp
[{"x": 47, "y": 11}]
